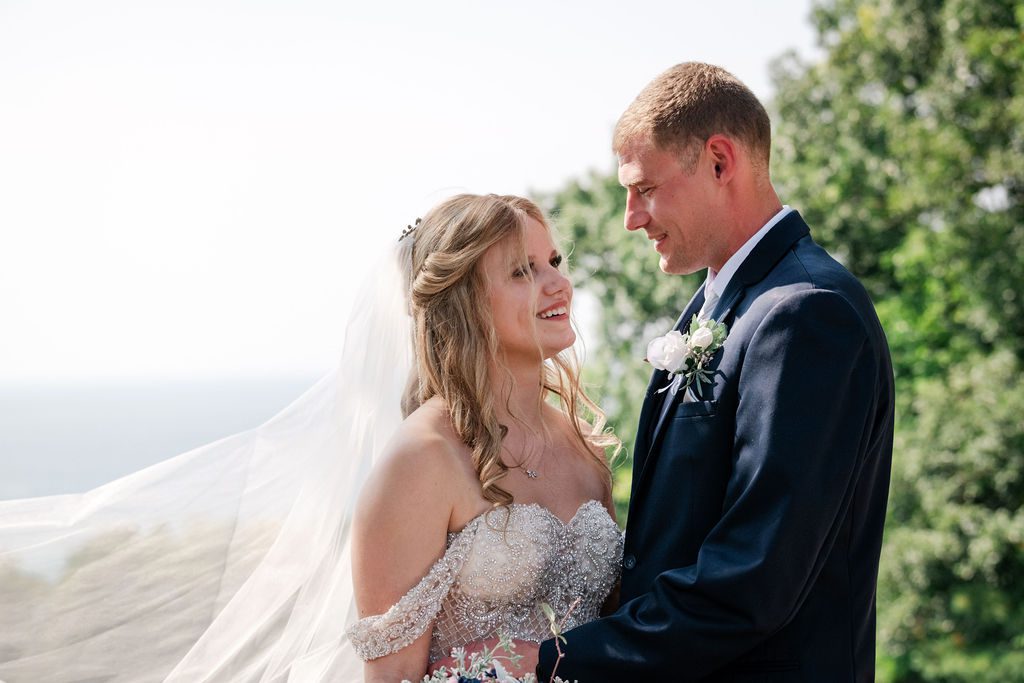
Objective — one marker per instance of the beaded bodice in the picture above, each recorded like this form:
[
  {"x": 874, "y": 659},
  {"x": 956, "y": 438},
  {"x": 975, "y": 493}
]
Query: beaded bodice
[{"x": 494, "y": 576}]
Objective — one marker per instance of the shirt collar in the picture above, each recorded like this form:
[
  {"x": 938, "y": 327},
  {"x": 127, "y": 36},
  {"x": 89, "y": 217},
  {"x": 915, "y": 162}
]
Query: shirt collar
[{"x": 720, "y": 280}]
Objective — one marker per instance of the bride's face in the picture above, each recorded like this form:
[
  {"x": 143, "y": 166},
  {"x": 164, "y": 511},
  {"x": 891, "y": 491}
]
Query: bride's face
[{"x": 530, "y": 296}]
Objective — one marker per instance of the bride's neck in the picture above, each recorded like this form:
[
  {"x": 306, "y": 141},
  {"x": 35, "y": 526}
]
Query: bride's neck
[{"x": 518, "y": 395}]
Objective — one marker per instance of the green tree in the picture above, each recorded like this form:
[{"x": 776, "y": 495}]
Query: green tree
[
  {"x": 902, "y": 144},
  {"x": 904, "y": 148},
  {"x": 951, "y": 590}
]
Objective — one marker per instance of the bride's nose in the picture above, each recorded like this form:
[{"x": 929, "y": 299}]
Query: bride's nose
[{"x": 555, "y": 283}]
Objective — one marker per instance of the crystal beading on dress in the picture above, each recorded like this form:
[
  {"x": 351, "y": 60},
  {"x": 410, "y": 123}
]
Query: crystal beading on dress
[{"x": 494, "y": 575}]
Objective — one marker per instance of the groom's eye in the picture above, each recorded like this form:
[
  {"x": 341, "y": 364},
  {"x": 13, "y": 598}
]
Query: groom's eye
[{"x": 644, "y": 191}]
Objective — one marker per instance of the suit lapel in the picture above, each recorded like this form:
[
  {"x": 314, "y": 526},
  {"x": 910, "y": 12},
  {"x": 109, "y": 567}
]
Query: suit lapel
[
  {"x": 653, "y": 401},
  {"x": 772, "y": 247}
]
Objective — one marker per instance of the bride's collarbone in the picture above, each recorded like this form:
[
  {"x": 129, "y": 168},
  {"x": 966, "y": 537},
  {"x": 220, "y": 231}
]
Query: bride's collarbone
[{"x": 564, "y": 479}]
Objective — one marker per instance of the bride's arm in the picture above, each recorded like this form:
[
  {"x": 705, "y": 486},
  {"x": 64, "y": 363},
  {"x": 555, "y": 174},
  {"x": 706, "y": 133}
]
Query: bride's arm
[{"x": 399, "y": 532}]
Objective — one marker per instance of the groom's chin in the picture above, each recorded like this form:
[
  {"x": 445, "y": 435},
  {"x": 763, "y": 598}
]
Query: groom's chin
[{"x": 670, "y": 269}]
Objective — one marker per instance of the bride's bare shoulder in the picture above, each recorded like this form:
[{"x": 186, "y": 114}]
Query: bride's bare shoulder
[
  {"x": 426, "y": 433},
  {"x": 403, "y": 514},
  {"x": 420, "y": 459}
]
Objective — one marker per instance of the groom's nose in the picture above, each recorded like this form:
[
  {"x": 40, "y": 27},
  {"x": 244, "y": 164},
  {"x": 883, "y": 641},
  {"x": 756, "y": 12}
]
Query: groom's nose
[{"x": 636, "y": 213}]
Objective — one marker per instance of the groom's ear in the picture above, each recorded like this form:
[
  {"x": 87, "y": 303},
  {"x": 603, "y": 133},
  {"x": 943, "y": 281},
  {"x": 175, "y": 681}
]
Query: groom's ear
[{"x": 722, "y": 152}]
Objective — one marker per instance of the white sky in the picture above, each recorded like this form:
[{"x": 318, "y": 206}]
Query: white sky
[{"x": 189, "y": 189}]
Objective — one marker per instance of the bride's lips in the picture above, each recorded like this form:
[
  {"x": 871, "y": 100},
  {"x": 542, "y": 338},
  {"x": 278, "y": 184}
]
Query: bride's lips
[{"x": 558, "y": 311}]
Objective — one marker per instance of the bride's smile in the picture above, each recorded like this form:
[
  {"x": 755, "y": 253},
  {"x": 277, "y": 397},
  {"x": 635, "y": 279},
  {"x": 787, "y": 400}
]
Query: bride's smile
[{"x": 527, "y": 284}]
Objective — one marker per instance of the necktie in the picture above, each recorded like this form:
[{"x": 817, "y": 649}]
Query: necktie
[{"x": 710, "y": 299}]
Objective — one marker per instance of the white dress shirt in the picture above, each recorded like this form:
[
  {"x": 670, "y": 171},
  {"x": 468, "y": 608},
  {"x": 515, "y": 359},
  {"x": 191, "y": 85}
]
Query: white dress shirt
[{"x": 715, "y": 284}]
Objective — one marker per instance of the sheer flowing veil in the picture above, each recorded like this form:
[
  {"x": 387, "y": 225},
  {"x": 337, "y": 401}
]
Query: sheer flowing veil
[{"x": 227, "y": 563}]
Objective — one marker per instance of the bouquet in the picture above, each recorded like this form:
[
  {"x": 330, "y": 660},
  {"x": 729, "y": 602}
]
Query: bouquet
[{"x": 489, "y": 665}]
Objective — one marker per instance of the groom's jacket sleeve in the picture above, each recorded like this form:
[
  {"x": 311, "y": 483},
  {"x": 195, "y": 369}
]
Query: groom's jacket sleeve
[{"x": 808, "y": 391}]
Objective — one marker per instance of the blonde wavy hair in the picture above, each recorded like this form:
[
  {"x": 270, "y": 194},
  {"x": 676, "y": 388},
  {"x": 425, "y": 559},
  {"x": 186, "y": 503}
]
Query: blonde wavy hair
[{"x": 455, "y": 341}]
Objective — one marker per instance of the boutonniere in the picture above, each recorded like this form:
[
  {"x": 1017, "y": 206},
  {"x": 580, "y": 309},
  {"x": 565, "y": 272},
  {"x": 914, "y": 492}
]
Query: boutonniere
[{"x": 687, "y": 355}]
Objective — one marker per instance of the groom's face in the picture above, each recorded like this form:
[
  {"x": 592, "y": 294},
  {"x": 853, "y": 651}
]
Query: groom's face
[{"x": 671, "y": 204}]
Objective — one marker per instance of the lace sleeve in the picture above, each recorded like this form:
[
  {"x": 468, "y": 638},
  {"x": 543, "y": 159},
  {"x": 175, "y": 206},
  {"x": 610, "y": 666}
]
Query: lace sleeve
[{"x": 384, "y": 634}]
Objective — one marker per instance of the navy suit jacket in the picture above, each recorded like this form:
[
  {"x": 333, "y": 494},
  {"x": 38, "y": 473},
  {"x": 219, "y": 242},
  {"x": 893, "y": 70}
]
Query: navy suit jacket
[{"x": 756, "y": 513}]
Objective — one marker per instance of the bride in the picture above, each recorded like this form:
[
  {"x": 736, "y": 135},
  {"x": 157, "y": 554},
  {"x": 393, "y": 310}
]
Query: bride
[
  {"x": 246, "y": 559},
  {"x": 489, "y": 500}
]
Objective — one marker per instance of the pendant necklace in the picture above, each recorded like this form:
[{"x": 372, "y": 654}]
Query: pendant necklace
[{"x": 529, "y": 471}]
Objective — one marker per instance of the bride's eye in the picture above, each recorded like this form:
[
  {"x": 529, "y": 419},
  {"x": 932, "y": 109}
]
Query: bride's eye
[
  {"x": 522, "y": 271},
  {"x": 557, "y": 261}
]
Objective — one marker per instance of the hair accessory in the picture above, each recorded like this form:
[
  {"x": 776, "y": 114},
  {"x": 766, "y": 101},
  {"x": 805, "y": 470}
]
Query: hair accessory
[{"x": 409, "y": 229}]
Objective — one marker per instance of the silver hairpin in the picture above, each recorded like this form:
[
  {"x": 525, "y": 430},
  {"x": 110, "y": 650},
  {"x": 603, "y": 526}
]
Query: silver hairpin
[{"x": 409, "y": 229}]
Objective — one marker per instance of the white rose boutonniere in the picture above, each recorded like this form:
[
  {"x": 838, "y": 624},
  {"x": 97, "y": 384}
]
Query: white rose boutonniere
[
  {"x": 668, "y": 352},
  {"x": 687, "y": 355}
]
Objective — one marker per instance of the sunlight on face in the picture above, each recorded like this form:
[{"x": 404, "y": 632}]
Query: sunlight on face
[
  {"x": 670, "y": 204},
  {"x": 530, "y": 296}
]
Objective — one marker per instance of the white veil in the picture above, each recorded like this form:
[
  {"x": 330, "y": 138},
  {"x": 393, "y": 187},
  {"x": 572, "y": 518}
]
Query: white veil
[{"x": 230, "y": 562}]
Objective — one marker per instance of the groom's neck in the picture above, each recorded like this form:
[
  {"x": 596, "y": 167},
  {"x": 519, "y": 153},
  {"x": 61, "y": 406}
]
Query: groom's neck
[{"x": 748, "y": 213}]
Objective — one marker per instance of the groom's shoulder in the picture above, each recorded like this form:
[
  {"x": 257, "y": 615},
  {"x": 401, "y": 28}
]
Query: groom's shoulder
[
  {"x": 825, "y": 273},
  {"x": 808, "y": 266},
  {"x": 810, "y": 283}
]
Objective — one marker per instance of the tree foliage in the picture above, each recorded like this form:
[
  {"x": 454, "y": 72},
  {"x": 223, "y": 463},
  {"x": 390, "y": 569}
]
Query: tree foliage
[
  {"x": 902, "y": 144},
  {"x": 904, "y": 147},
  {"x": 951, "y": 590}
]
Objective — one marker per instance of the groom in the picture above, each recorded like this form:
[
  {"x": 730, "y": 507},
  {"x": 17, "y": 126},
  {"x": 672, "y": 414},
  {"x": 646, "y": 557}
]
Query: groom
[{"x": 758, "y": 500}]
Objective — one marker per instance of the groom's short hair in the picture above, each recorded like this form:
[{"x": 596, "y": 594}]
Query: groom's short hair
[{"x": 684, "y": 106}]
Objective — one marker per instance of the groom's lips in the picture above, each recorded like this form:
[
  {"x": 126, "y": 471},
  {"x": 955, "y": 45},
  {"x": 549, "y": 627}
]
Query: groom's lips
[{"x": 658, "y": 241}]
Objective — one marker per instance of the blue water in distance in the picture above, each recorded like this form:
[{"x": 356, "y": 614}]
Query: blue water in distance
[{"x": 71, "y": 438}]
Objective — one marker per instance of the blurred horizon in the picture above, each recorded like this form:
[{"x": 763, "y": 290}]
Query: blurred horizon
[{"x": 70, "y": 438}]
